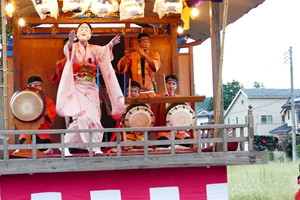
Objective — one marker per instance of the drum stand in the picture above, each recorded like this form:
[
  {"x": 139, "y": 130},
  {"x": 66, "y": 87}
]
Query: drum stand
[{"x": 27, "y": 126}]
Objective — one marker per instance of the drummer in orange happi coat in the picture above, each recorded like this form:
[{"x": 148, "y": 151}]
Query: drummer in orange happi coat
[
  {"x": 171, "y": 86},
  {"x": 133, "y": 92},
  {"x": 49, "y": 116}
]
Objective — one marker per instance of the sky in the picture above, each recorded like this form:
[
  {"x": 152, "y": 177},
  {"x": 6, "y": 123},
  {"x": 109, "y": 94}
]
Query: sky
[{"x": 254, "y": 49}]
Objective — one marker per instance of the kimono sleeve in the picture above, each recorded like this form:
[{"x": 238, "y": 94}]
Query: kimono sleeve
[{"x": 50, "y": 111}]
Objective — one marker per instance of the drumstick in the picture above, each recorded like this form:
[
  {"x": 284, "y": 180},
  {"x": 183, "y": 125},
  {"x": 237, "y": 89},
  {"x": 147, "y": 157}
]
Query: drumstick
[
  {"x": 165, "y": 84},
  {"x": 129, "y": 87}
]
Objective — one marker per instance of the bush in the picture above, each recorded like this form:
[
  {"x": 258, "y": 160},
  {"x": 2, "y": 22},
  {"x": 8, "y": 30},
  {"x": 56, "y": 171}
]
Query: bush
[
  {"x": 270, "y": 155},
  {"x": 298, "y": 150},
  {"x": 262, "y": 142},
  {"x": 286, "y": 145}
]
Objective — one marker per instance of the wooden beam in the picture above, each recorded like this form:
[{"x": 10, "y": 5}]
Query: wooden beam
[
  {"x": 100, "y": 163},
  {"x": 66, "y": 30},
  {"x": 67, "y": 20},
  {"x": 180, "y": 99}
]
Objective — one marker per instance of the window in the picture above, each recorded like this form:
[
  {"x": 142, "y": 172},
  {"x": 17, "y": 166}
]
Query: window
[
  {"x": 266, "y": 119},
  {"x": 237, "y": 120},
  {"x": 242, "y": 102},
  {"x": 246, "y": 119},
  {"x": 288, "y": 115},
  {"x": 283, "y": 119},
  {"x": 228, "y": 120}
]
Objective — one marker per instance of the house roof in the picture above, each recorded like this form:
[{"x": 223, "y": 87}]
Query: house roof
[
  {"x": 199, "y": 27},
  {"x": 283, "y": 129},
  {"x": 288, "y": 103},
  {"x": 206, "y": 114},
  {"x": 269, "y": 93},
  {"x": 256, "y": 93}
]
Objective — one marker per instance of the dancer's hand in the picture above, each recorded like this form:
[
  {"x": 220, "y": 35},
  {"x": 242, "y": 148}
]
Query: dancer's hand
[
  {"x": 114, "y": 41},
  {"x": 72, "y": 36}
]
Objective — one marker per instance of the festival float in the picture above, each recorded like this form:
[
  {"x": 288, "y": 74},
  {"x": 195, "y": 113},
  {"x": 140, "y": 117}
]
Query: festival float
[{"x": 197, "y": 172}]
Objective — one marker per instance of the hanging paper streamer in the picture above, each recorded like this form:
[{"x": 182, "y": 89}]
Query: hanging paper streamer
[
  {"x": 130, "y": 9},
  {"x": 163, "y": 7},
  {"x": 103, "y": 8},
  {"x": 186, "y": 14},
  {"x": 77, "y": 6},
  {"x": 46, "y": 8}
]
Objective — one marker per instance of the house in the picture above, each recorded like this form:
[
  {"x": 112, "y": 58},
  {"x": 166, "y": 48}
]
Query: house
[
  {"x": 266, "y": 105},
  {"x": 205, "y": 117},
  {"x": 286, "y": 113}
]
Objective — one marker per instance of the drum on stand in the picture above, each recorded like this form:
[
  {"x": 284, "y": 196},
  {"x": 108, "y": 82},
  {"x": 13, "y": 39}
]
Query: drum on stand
[
  {"x": 139, "y": 116},
  {"x": 180, "y": 114},
  {"x": 28, "y": 104}
]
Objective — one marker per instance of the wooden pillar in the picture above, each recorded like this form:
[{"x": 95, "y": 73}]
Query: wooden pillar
[
  {"x": 216, "y": 52},
  {"x": 175, "y": 65},
  {"x": 16, "y": 55},
  {"x": 191, "y": 52}
]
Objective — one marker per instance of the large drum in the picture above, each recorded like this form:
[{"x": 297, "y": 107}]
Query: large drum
[
  {"x": 139, "y": 116},
  {"x": 180, "y": 114},
  {"x": 28, "y": 104}
]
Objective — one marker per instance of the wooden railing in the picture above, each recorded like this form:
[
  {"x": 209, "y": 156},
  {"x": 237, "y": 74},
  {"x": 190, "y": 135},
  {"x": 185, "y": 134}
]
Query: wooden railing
[
  {"x": 200, "y": 152},
  {"x": 201, "y": 140}
]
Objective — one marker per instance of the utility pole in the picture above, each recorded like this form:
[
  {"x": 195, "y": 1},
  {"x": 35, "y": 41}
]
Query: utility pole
[{"x": 288, "y": 58}]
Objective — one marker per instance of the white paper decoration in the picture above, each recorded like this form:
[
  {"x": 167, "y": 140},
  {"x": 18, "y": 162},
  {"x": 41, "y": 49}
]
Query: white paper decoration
[
  {"x": 130, "y": 9},
  {"x": 46, "y": 8},
  {"x": 102, "y": 8},
  {"x": 78, "y": 6},
  {"x": 163, "y": 7}
]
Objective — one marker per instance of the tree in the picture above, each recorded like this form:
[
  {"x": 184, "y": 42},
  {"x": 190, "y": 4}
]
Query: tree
[
  {"x": 210, "y": 105},
  {"x": 230, "y": 89},
  {"x": 258, "y": 85}
]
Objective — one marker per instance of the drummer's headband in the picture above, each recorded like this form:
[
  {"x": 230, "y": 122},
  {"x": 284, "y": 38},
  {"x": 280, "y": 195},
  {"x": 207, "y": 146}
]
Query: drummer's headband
[
  {"x": 134, "y": 87},
  {"x": 35, "y": 82},
  {"x": 170, "y": 79}
]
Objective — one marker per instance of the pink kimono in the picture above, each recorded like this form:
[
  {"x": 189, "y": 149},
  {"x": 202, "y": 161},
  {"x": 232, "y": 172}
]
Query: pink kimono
[{"x": 78, "y": 96}]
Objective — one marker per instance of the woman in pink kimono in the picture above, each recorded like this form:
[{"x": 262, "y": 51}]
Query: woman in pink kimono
[{"x": 78, "y": 95}]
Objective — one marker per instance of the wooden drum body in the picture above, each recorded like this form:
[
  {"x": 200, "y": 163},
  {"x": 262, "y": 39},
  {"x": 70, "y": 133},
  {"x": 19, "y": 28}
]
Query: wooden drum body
[
  {"x": 139, "y": 116},
  {"x": 180, "y": 114},
  {"x": 28, "y": 104}
]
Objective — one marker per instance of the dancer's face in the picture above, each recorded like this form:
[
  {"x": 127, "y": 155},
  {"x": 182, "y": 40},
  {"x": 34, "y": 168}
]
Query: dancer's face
[{"x": 84, "y": 32}]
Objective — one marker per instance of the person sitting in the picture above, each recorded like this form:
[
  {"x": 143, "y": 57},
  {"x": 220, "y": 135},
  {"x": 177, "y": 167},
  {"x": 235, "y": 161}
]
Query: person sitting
[
  {"x": 49, "y": 116},
  {"x": 171, "y": 85},
  {"x": 171, "y": 82},
  {"x": 133, "y": 92}
]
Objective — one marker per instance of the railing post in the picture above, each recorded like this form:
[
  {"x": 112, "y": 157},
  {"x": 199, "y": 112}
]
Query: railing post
[
  {"x": 118, "y": 140},
  {"x": 146, "y": 143},
  {"x": 5, "y": 147},
  {"x": 199, "y": 145},
  {"x": 242, "y": 145},
  {"x": 90, "y": 144},
  {"x": 224, "y": 139},
  {"x": 250, "y": 129}
]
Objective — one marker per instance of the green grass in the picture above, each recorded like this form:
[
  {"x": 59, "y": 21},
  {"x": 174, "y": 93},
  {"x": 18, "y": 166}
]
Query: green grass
[{"x": 273, "y": 181}]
